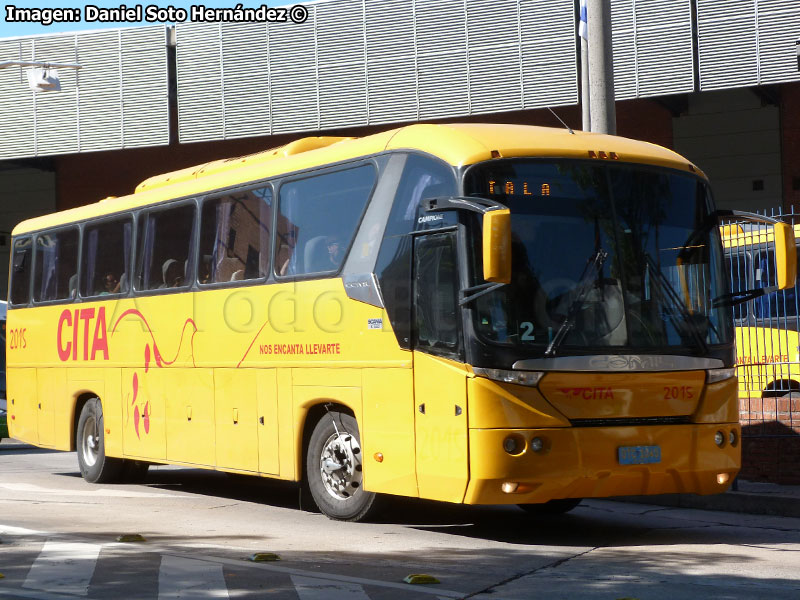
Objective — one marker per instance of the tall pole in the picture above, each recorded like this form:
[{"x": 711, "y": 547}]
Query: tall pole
[
  {"x": 601, "y": 68},
  {"x": 583, "y": 32}
]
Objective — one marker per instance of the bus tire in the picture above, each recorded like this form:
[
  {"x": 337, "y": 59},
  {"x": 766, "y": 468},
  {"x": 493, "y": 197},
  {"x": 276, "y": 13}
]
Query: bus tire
[
  {"x": 553, "y": 507},
  {"x": 333, "y": 469},
  {"x": 95, "y": 466}
]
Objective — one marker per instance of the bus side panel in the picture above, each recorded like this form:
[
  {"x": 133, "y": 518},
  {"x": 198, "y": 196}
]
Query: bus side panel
[
  {"x": 112, "y": 412},
  {"x": 286, "y": 433},
  {"x": 236, "y": 402},
  {"x": 440, "y": 395},
  {"x": 144, "y": 435},
  {"x": 190, "y": 416},
  {"x": 22, "y": 405},
  {"x": 388, "y": 431},
  {"x": 268, "y": 440},
  {"x": 51, "y": 388}
]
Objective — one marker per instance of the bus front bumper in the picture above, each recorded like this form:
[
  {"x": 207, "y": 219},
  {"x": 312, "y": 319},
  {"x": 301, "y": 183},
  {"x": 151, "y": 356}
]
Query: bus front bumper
[{"x": 585, "y": 462}]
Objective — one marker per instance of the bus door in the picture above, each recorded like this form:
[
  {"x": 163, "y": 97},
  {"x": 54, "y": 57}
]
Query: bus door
[{"x": 440, "y": 381}]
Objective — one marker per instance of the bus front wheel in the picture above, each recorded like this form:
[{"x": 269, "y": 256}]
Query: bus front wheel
[
  {"x": 334, "y": 471},
  {"x": 95, "y": 466}
]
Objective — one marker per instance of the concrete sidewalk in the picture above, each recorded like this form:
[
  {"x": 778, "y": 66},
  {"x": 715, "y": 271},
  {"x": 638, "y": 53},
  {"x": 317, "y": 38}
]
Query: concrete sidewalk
[{"x": 749, "y": 497}]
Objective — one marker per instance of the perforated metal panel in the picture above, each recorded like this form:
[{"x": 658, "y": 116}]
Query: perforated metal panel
[
  {"x": 727, "y": 33},
  {"x": 293, "y": 75},
  {"x": 198, "y": 56},
  {"x": 623, "y": 27},
  {"x": 145, "y": 84},
  {"x": 747, "y": 42},
  {"x": 245, "y": 80},
  {"x": 361, "y": 62},
  {"x": 495, "y": 66},
  {"x": 652, "y": 44},
  {"x": 118, "y": 99},
  {"x": 778, "y": 29},
  {"x": 548, "y": 51},
  {"x": 391, "y": 61},
  {"x": 18, "y": 125}
]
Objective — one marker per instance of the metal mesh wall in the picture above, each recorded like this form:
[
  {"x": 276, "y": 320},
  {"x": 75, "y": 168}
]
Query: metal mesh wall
[
  {"x": 652, "y": 41},
  {"x": 366, "y": 62},
  {"x": 118, "y": 99},
  {"x": 747, "y": 42},
  {"x": 767, "y": 326}
]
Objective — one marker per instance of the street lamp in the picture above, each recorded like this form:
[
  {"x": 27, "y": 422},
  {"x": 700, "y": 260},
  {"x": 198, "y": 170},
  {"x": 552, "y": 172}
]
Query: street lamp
[{"x": 44, "y": 77}]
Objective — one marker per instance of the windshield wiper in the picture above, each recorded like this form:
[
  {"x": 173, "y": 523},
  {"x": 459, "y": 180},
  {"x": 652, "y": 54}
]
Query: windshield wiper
[
  {"x": 674, "y": 301},
  {"x": 588, "y": 277}
]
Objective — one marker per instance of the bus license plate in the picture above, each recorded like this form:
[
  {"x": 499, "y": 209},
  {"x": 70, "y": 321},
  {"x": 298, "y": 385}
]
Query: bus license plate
[{"x": 638, "y": 455}]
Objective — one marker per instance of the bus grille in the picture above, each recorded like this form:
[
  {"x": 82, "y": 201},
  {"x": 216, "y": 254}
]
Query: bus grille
[{"x": 629, "y": 422}]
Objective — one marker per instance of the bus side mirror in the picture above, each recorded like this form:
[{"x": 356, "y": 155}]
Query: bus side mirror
[
  {"x": 497, "y": 246},
  {"x": 785, "y": 255}
]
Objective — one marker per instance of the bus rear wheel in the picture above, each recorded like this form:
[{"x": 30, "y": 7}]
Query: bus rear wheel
[
  {"x": 334, "y": 470},
  {"x": 553, "y": 507},
  {"x": 95, "y": 466}
]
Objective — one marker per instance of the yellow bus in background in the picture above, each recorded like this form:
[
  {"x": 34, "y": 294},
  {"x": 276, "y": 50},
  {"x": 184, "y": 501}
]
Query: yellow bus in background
[
  {"x": 767, "y": 322},
  {"x": 481, "y": 314}
]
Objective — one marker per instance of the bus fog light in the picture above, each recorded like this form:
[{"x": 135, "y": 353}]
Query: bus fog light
[
  {"x": 719, "y": 439},
  {"x": 722, "y": 478},
  {"x": 509, "y": 487},
  {"x": 537, "y": 444},
  {"x": 732, "y": 437},
  {"x": 514, "y": 444}
]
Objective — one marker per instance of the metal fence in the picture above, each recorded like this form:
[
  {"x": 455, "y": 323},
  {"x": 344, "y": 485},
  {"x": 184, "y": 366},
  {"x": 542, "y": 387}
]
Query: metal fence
[{"x": 767, "y": 345}]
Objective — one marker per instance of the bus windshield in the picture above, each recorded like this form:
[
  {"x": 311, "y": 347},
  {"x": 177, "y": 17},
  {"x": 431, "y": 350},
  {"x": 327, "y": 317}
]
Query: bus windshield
[{"x": 604, "y": 255}]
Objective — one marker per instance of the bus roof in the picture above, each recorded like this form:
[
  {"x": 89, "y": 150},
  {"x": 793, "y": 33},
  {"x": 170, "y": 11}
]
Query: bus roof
[{"x": 457, "y": 144}]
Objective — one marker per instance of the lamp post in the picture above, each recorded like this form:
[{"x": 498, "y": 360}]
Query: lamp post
[{"x": 601, "y": 67}]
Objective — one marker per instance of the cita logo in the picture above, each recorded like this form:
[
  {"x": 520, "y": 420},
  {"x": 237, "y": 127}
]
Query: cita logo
[
  {"x": 589, "y": 393},
  {"x": 75, "y": 329}
]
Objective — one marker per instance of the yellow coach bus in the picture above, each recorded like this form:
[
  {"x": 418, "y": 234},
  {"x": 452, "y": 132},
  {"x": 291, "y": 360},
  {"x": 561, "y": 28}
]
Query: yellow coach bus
[
  {"x": 482, "y": 314},
  {"x": 766, "y": 320}
]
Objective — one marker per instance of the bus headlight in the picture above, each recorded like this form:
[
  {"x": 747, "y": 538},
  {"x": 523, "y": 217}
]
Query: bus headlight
[
  {"x": 715, "y": 375},
  {"x": 529, "y": 378},
  {"x": 719, "y": 439}
]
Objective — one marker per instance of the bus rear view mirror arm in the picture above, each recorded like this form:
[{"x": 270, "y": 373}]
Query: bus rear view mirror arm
[{"x": 496, "y": 232}]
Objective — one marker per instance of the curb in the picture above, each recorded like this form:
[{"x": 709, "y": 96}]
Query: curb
[{"x": 739, "y": 502}]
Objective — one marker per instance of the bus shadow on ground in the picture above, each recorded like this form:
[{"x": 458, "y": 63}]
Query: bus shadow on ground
[
  {"x": 595, "y": 523},
  {"x": 9, "y": 446}
]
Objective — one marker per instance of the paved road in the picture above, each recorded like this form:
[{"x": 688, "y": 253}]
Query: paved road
[{"x": 58, "y": 541}]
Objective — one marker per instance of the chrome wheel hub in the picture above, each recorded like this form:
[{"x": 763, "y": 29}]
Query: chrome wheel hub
[
  {"x": 91, "y": 442},
  {"x": 340, "y": 465}
]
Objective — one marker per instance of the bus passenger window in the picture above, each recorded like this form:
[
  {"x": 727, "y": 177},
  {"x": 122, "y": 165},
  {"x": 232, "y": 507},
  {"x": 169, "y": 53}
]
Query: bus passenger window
[
  {"x": 21, "y": 271},
  {"x": 234, "y": 236},
  {"x": 106, "y": 258},
  {"x": 165, "y": 238},
  {"x": 318, "y": 219},
  {"x": 56, "y": 272}
]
